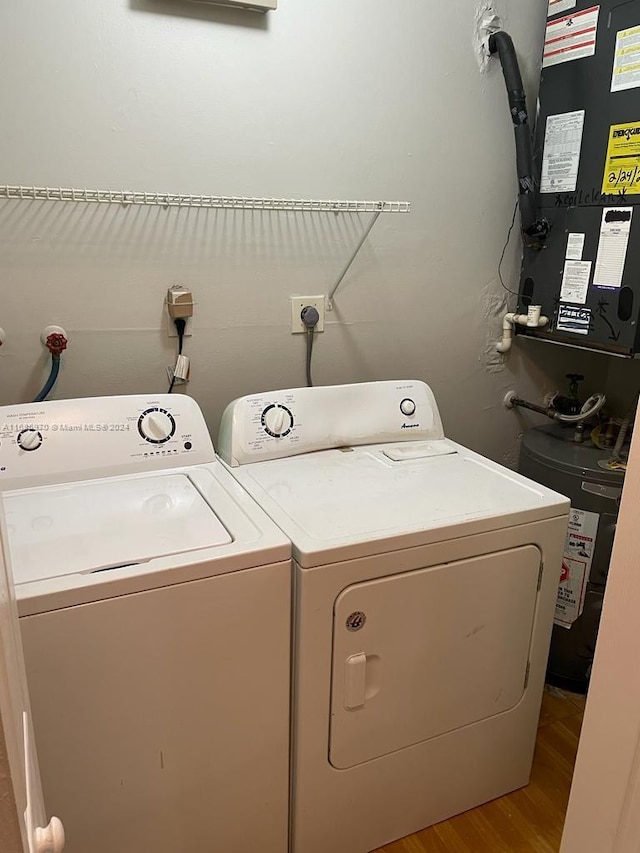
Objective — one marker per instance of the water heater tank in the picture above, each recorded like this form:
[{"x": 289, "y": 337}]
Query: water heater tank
[{"x": 549, "y": 456}]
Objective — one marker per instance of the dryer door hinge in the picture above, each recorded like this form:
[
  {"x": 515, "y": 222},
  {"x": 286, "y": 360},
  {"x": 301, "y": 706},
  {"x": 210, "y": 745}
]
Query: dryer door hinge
[
  {"x": 540, "y": 571},
  {"x": 526, "y": 675}
]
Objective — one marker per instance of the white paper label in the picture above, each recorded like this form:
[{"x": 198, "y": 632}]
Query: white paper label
[
  {"x": 575, "y": 281},
  {"x": 562, "y": 144},
  {"x": 571, "y": 37},
  {"x": 572, "y": 318},
  {"x": 575, "y": 247},
  {"x": 576, "y": 565},
  {"x": 626, "y": 60},
  {"x": 612, "y": 248},
  {"x": 557, "y": 6}
]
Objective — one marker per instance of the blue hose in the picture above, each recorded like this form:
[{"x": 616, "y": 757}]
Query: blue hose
[{"x": 51, "y": 381}]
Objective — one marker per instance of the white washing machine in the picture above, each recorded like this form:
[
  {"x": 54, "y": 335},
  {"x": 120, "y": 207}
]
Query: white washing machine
[
  {"x": 154, "y": 599},
  {"x": 425, "y": 582}
]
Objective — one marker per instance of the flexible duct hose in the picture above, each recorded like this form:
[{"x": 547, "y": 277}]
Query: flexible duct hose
[
  {"x": 590, "y": 408},
  {"x": 624, "y": 430},
  {"x": 535, "y": 229}
]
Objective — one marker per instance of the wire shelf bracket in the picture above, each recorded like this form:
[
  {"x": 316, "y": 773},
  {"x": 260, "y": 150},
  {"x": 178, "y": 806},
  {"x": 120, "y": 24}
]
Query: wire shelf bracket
[
  {"x": 182, "y": 200},
  {"x": 167, "y": 200}
]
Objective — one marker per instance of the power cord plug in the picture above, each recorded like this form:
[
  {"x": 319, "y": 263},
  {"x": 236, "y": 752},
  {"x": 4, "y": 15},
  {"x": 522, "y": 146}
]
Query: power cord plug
[
  {"x": 181, "y": 324},
  {"x": 310, "y": 317}
]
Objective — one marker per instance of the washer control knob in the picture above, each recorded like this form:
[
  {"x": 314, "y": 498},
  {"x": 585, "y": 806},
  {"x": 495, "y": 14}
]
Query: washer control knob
[
  {"x": 29, "y": 439},
  {"x": 156, "y": 426},
  {"x": 408, "y": 407},
  {"x": 277, "y": 421}
]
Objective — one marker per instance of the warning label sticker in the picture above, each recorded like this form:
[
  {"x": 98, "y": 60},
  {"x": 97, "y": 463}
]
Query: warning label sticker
[
  {"x": 626, "y": 62},
  {"x": 561, "y": 158},
  {"x": 576, "y": 566},
  {"x": 622, "y": 168},
  {"x": 557, "y": 6},
  {"x": 571, "y": 37}
]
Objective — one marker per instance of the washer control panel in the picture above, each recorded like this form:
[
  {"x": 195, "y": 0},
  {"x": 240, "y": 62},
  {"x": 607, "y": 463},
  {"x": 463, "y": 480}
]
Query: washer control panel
[
  {"x": 156, "y": 425},
  {"x": 29, "y": 439},
  {"x": 63, "y": 440},
  {"x": 277, "y": 420},
  {"x": 302, "y": 420}
]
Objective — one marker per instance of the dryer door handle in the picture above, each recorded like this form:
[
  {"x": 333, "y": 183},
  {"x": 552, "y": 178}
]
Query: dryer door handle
[{"x": 355, "y": 681}]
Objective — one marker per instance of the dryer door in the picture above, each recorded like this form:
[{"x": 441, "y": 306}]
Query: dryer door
[{"x": 419, "y": 654}]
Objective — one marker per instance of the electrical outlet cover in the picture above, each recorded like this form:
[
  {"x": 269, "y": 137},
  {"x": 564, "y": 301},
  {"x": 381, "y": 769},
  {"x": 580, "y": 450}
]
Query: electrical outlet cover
[{"x": 300, "y": 302}]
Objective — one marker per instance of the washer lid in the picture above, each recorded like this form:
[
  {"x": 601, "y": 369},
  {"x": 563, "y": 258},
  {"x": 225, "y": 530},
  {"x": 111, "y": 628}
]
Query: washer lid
[
  {"x": 338, "y": 505},
  {"x": 102, "y": 524}
]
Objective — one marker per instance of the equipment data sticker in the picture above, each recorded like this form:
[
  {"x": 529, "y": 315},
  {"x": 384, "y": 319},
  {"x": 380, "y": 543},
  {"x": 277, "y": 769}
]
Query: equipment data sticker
[
  {"x": 575, "y": 247},
  {"x": 562, "y": 145},
  {"x": 571, "y": 318},
  {"x": 571, "y": 37},
  {"x": 576, "y": 566},
  {"x": 626, "y": 60},
  {"x": 622, "y": 168},
  {"x": 615, "y": 229},
  {"x": 575, "y": 281}
]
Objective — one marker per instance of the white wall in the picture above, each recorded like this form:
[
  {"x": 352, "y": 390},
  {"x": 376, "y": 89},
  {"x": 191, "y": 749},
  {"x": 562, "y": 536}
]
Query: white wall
[{"x": 324, "y": 98}]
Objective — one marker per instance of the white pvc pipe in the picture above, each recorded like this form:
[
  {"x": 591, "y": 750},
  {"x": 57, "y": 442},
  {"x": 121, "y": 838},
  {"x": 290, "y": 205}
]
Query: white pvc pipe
[{"x": 533, "y": 319}]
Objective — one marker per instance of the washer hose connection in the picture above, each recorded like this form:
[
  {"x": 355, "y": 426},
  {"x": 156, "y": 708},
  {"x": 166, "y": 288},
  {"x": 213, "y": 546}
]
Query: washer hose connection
[{"x": 56, "y": 344}]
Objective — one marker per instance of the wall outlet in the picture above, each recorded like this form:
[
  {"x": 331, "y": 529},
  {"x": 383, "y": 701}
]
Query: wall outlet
[{"x": 300, "y": 302}]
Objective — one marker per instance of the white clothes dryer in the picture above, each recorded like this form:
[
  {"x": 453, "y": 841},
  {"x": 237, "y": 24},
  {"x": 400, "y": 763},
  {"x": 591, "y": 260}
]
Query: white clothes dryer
[
  {"x": 425, "y": 581},
  {"x": 154, "y": 601}
]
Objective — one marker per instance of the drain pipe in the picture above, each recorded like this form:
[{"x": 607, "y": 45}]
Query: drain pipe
[
  {"x": 535, "y": 229},
  {"x": 533, "y": 319}
]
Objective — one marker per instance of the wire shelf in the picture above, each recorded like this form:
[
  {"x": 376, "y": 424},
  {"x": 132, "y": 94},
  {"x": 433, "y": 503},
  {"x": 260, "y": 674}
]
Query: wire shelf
[{"x": 167, "y": 200}]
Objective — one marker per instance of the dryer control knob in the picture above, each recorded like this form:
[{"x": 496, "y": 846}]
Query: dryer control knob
[
  {"x": 29, "y": 439},
  {"x": 408, "y": 407},
  {"x": 156, "y": 426},
  {"x": 277, "y": 421}
]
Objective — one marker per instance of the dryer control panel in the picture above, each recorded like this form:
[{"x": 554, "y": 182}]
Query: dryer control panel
[
  {"x": 63, "y": 440},
  {"x": 302, "y": 420}
]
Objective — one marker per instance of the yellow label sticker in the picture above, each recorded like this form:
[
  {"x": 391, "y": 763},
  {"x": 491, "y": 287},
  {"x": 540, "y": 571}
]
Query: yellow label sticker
[{"x": 622, "y": 169}]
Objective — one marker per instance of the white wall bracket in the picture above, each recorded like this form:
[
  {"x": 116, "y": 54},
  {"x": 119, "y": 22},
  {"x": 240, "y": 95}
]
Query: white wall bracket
[
  {"x": 354, "y": 255},
  {"x": 251, "y": 5}
]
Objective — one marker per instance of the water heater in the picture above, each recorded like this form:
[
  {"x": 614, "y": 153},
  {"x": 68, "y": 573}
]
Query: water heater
[{"x": 586, "y": 273}]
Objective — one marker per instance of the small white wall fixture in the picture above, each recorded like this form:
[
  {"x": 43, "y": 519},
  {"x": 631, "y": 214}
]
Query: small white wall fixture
[{"x": 253, "y": 5}]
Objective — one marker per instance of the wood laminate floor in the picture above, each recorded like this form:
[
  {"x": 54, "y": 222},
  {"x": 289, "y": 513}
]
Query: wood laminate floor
[{"x": 529, "y": 820}]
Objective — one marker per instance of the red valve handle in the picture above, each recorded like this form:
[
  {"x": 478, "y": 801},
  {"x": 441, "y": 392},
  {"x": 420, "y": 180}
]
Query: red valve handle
[{"x": 56, "y": 343}]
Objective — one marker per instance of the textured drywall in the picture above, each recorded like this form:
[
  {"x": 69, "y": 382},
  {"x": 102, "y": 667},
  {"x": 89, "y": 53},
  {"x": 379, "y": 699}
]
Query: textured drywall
[{"x": 365, "y": 100}]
